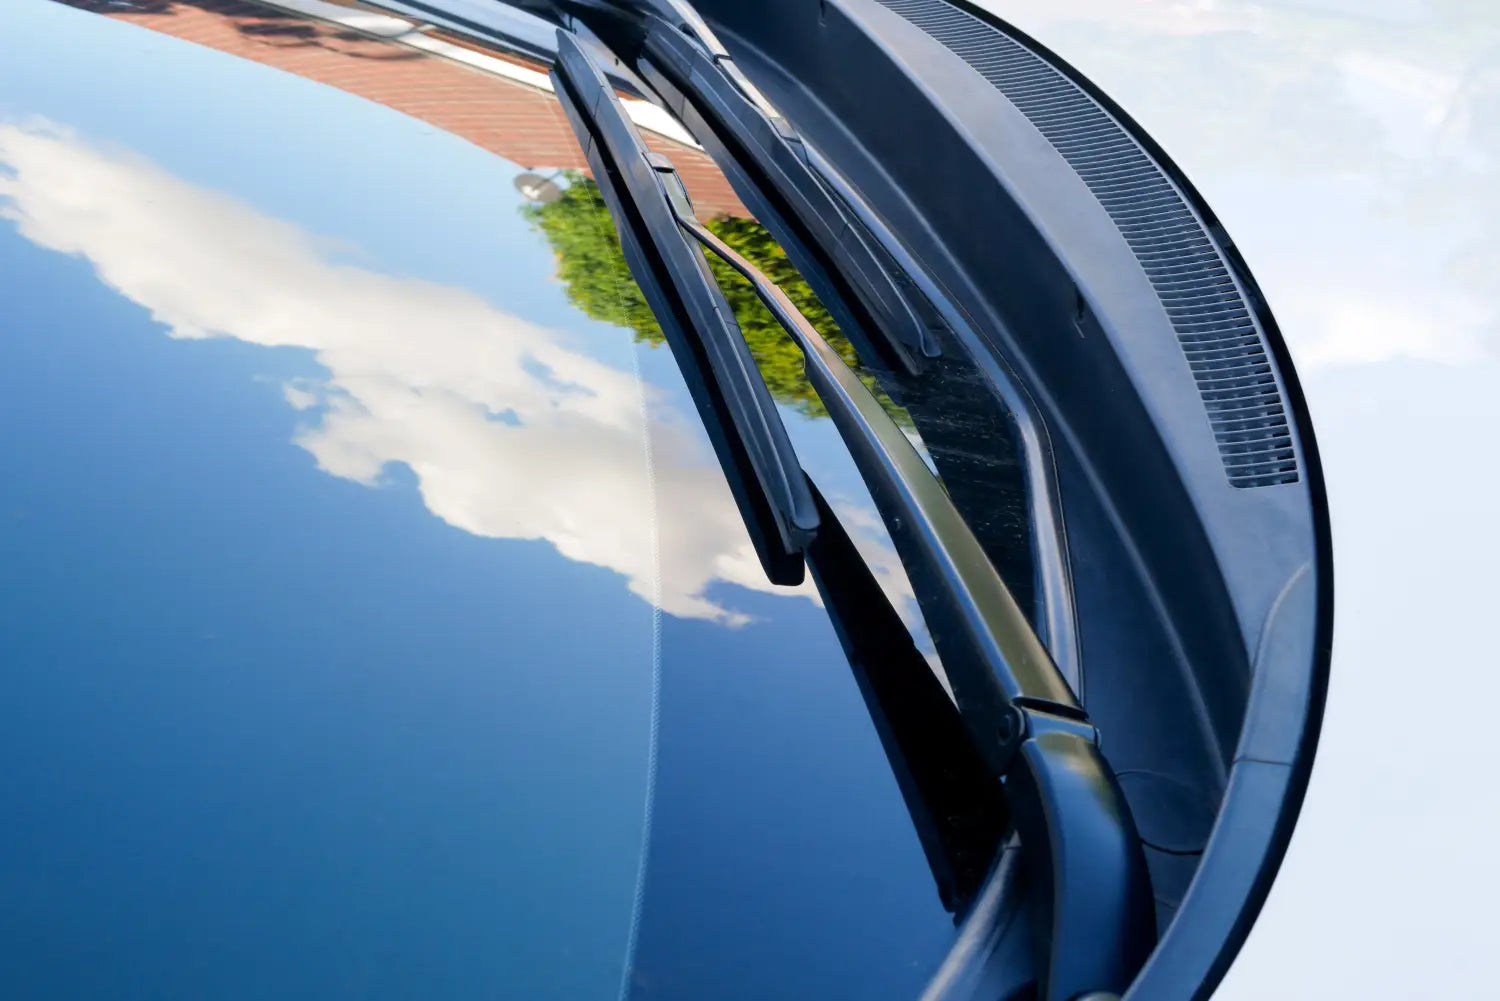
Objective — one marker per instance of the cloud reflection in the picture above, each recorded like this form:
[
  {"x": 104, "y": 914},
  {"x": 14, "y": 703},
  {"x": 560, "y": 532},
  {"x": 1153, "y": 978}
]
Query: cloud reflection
[{"x": 511, "y": 429}]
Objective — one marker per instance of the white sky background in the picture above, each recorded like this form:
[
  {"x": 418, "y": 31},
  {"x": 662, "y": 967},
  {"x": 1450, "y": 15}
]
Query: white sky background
[{"x": 1350, "y": 149}]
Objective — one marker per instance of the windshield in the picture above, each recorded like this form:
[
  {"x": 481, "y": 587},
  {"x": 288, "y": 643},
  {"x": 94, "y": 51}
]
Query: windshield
[{"x": 380, "y": 623}]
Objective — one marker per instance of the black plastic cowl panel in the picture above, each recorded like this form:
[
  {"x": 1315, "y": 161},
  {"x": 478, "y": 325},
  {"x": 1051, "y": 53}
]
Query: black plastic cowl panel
[{"x": 1221, "y": 340}]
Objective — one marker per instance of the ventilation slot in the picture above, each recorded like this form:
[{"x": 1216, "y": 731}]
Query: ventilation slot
[{"x": 1222, "y": 342}]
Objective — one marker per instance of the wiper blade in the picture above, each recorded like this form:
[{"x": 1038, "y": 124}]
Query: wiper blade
[
  {"x": 747, "y": 433},
  {"x": 1006, "y": 660},
  {"x": 764, "y": 145},
  {"x": 1094, "y": 911}
]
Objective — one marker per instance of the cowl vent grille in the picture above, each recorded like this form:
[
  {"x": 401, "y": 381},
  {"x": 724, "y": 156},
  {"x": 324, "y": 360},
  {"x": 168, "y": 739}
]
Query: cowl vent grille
[{"x": 1220, "y": 339}]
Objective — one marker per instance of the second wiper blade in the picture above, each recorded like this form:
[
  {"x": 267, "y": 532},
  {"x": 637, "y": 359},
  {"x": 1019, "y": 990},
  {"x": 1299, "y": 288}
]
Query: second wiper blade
[
  {"x": 738, "y": 411},
  {"x": 716, "y": 101}
]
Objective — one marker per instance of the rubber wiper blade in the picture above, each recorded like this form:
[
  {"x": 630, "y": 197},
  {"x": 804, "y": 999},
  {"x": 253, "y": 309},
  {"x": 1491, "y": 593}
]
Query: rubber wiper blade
[
  {"x": 1095, "y": 914},
  {"x": 765, "y": 146},
  {"x": 747, "y": 433}
]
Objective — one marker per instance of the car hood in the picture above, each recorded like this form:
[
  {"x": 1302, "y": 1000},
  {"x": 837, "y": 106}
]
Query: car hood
[{"x": 1350, "y": 152}]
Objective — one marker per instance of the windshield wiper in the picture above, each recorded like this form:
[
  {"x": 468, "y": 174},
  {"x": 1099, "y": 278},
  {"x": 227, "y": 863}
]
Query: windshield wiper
[
  {"x": 747, "y": 433},
  {"x": 1094, "y": 909}
]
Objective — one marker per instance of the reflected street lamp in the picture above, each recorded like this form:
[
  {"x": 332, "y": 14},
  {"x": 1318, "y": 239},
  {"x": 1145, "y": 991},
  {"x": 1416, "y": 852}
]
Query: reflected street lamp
[{"x": 536, "y": 188}]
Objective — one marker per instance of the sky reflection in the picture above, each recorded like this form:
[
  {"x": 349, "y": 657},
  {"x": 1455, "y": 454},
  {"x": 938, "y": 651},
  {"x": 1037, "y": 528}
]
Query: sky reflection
[{"x": 512, "y": 430}]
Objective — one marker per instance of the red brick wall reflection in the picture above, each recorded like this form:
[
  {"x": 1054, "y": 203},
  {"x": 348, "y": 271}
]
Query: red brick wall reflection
[{"x": 520, "y": 123}]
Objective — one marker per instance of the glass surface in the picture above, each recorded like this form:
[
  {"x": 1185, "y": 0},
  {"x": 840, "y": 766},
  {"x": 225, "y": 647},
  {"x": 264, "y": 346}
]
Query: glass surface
[{"x": 378, "y": 622}]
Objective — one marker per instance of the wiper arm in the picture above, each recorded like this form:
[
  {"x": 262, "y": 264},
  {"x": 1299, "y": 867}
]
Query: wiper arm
[
  {"x": 717, "y": 102},
  {"x": 1097, "y": 915},
  {"x": 747, "y": 433},
  {"x": 1094, "y": 908}
]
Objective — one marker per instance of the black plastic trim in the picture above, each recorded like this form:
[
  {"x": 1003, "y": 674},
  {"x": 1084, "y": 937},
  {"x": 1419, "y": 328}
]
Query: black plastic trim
[{"x": 1145, "y": 204}]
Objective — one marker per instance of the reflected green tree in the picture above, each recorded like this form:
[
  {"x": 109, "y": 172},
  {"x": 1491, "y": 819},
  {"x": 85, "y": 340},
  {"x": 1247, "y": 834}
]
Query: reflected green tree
[{"x": 593, "y": 271}]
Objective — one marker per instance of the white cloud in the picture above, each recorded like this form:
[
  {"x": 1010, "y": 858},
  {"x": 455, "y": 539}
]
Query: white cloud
[
  {"x": 1360, "y": 330},
  {"x": 512, "y": 431}
]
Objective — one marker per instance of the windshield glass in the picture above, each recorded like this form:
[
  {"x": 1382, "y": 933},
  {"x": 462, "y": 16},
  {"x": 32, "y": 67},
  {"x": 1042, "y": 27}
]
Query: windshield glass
[{"x": 379, "y": 622}]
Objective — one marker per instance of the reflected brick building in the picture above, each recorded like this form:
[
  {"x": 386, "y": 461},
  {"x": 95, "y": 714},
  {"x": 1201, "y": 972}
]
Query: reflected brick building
[{"x": 523, "y": 124}]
